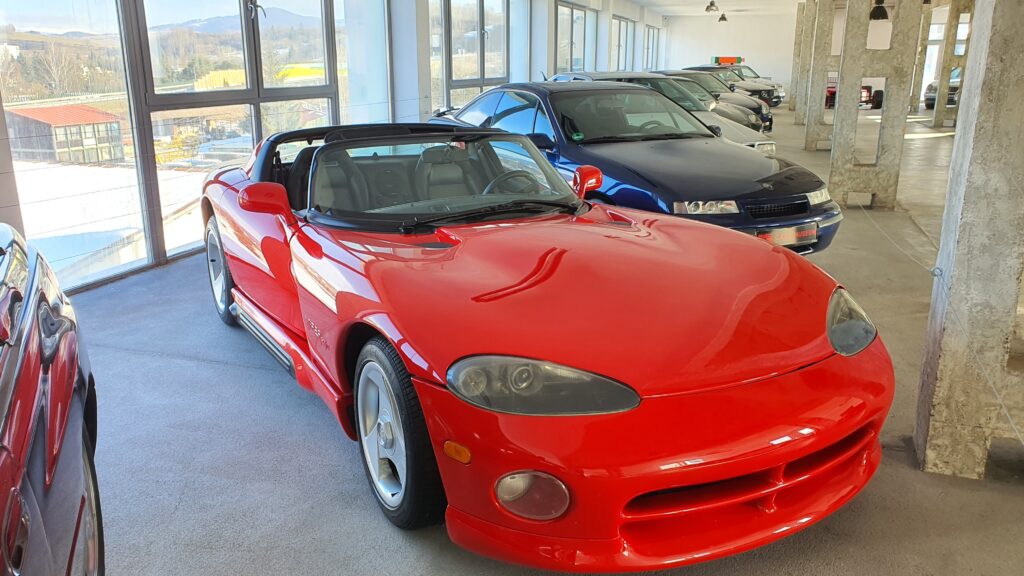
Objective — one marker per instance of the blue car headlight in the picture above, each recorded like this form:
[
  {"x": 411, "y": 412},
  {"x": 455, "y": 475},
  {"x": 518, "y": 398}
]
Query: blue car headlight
[
  {"x": 849, "y": 329},
  {"x": 533, "y": 387}
]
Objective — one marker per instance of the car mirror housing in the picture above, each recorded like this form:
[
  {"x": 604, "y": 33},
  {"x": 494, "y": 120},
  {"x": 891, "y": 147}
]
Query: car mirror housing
[
  {"x": 542, "y": 141},
  {"x": 267, "y": 198},
  {"x": 715, "y": 129},
  {"x": 587, "y": 179}
]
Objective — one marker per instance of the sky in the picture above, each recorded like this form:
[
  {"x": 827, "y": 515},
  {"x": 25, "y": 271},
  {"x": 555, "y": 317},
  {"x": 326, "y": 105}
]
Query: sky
[{"x": 100, "y": 16}]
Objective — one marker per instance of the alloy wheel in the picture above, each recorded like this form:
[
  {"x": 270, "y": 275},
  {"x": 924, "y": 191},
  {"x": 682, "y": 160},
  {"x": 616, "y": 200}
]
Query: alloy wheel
[{"x": 381, "y": 435}]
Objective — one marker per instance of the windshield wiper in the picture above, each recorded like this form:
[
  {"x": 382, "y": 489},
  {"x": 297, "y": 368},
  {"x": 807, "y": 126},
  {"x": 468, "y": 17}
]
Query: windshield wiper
[
  {"x": 409, "y": 226},
  {"x": 604, "y": 139},
  {"x": 676, "y": 136}
]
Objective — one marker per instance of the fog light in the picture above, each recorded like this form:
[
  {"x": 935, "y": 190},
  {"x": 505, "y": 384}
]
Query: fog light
[{"x": 533, "y": 495}]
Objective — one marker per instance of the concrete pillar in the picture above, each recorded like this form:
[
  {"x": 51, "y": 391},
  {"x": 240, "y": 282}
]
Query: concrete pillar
[
  {"x": 605, "y": 41},
  {"x": 896, "y": 65},
  {"x": 10, "y": 209},
  {"x": 806, "y": 57},
  {"x": 411, "y": 60},
  {"x": 949, "y": 60},
  {"x": 922, "y": 52},
  {"x": 818, "y": 134},
  {"x": 970, "y": 391},
  {"x": 797, "y": 42}
]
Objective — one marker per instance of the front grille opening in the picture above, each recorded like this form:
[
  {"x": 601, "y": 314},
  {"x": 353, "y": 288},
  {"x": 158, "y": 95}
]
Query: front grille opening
[
  {"x": 797, "y": 208},
  {"x": 750, "y": 487}
]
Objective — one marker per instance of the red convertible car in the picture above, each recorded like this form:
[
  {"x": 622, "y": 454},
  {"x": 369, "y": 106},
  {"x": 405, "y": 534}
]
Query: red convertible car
[
  {"x": 569, "y": 386},
  {"x": 51, "y": 524}
]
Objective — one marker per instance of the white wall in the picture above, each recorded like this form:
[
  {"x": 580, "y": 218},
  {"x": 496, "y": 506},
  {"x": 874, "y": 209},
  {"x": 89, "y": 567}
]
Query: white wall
[{"x": 764, "y": 41}]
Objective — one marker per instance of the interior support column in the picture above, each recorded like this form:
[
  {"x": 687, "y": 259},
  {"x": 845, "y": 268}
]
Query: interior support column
[
  {"x": 922, "y": 53},
  {"x": 948, "y": 60},
  {"x": 970, "y": 389},
  {"x": 542, "y": 39},
  {"x": 896, "y": 64},
  {"x": 410, "y": 21},
  {"x": 797, "y": 38},
  {"x": 818, "y": 134},
  {"x": 806, "y": 58}
]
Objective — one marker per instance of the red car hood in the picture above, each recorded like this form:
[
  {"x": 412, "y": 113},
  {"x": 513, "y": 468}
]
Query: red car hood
[{"x": 662, "y": 304}]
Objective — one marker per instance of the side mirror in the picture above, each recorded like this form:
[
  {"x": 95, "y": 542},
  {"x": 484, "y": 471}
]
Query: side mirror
[
  {"x": 542, "y": 141},
  {"x": 715, "y": 129},
  {"x": 587, "y": 179},
  {"x": 732, "y": 87},
  {"x": 717, "y": 96},
  {"x": 267, "y": 198},
  {"x": 11, "y": 296}
]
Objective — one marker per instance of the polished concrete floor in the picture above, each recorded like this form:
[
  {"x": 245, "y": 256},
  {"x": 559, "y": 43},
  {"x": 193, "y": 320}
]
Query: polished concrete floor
[{"x": 212, "y": 461}]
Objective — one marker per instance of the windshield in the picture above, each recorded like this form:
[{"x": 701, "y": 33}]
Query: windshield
[
  {"x": 745, "y": 71},
  {"x": 673, "y": 91},
  {"x": 697, "y": 91},
  {"x": 630, "y": 115},
  {"x": 727, "y": 76},
  {"x": 392, "y": 182},
  {"x": 710, "y": 82}
]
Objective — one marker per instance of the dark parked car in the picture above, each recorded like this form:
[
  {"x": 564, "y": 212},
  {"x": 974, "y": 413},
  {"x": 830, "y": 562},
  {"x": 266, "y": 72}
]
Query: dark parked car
[
  {"x": 655, "y": 156},
  {"x": 721, "y": 90},
  {"x": 748, "y": 73},
  {"x": 674, "y": 91},
  {"x": 724, "y": 109},
  {"x": 931, "y": 92},
  {"x": 52, "y": 523},
  {"x": 686, "y": 93},
  {"x": 758, "y": 90}
]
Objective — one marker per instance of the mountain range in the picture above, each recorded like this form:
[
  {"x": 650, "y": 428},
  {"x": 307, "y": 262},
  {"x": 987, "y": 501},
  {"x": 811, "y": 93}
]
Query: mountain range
[{"x": 277, "y": 17}]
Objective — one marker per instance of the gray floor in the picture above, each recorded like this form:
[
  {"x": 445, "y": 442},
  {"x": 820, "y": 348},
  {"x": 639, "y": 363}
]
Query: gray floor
[{"x": 212, "y": 461}]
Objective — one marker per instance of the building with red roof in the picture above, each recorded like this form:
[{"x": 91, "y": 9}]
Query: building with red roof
[{"x": 74, "y": 133}]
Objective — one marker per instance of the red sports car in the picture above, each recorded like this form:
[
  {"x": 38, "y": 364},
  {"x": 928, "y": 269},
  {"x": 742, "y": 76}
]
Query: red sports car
[
  {"x": 51, "y": 524},
  {"x": 570, "y": 386}
]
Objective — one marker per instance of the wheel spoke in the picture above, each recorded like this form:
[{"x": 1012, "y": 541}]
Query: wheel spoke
[
  {"x": 397, "y": 458},
  {"x": 371, "y": 444}
]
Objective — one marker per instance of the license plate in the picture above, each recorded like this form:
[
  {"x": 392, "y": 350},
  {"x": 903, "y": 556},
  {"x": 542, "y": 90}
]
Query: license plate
[{"x": 795, "y": 236}]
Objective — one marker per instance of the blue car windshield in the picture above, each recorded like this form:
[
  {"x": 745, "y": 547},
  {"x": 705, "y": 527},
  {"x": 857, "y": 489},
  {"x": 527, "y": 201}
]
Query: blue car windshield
[{"x": 591, "y": 117}]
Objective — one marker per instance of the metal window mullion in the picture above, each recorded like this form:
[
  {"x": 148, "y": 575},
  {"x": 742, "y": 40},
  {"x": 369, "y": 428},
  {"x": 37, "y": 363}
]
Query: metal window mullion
[
  {"x": 139, "y": 83},
  {"x": 389, "y": 58},
  {"x": 331, "y": 60}
]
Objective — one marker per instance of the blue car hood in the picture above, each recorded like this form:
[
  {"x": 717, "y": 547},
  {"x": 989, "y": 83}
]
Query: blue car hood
[{"x": 698, "y": 169}]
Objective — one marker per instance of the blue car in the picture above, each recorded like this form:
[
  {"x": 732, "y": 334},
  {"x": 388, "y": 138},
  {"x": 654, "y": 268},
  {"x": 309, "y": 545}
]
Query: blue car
[{"x": 656, "y": 156}]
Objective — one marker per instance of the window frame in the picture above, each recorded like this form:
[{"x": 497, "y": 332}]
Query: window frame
[
  {"x": 586, "y": 50},
  {"x": 624, "y": 57},
  {"x": 483, "y": 82}
]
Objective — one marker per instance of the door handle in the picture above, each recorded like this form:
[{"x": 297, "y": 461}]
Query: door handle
[
  {"x": 253, "y": 7},
  {"x": 14, "y": 532}
]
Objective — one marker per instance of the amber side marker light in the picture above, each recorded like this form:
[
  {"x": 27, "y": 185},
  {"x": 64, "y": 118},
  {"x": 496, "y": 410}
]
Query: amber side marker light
[{"x": 457, "y": 452}]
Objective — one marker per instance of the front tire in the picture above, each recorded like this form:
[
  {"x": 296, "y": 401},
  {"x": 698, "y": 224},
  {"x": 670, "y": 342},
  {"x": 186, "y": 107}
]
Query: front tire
[
  {"x": 393, "y": 439},
  {"x": 221, "y": 282}
]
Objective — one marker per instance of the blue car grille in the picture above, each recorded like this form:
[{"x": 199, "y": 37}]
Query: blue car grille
[{"x": 796, "y": 208}]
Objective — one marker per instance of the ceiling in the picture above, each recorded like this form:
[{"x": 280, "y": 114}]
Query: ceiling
[{"x": 696, "y": 7}]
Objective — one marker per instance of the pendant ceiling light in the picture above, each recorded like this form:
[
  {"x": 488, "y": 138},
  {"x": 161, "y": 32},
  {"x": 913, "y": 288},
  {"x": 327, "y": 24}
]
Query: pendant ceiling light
[
  {"x": 712, "y": 7},
  {"x": 722, "y": 18},
  {"x": 878, "y": 12}
]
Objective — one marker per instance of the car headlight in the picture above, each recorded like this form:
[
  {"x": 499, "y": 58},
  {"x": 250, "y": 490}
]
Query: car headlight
[
  {"x": 931, "y": 89},
  {"x": 849, "y": 328},
  {"x": 524, "y": 386},
  {"x": 766, "y": 148},
  {"x": 819, "y": 197},
  {"x": 706, "y": 207},
  {"x": 752, "y": 118},
  {"x": 764, "y": 108}
]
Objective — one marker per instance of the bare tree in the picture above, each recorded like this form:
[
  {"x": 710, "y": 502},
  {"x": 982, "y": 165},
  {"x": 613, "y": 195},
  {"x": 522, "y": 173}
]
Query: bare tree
[
  {"x": 8, "y": 73},
  {"x": 59, "y": 70}
]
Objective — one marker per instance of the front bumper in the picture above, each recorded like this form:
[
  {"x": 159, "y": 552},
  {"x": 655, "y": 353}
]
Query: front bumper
[
  {"x": 680, "y": 479},
  {"x": 766, "y": 121}
]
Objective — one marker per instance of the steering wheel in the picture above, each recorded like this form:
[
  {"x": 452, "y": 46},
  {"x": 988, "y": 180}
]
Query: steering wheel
[
  {"x": 534, "y": 183},
  {"x": 646, "y": 126}
]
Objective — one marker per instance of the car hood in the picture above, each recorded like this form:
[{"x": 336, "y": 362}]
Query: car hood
[
  {"x": 751, "y": 86},
  {"x": 741, "y": 100},
  {"x": 698, "y": 169},
  {"x": 663, "y": 304},
  {"x": 730, "y": 130}
]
